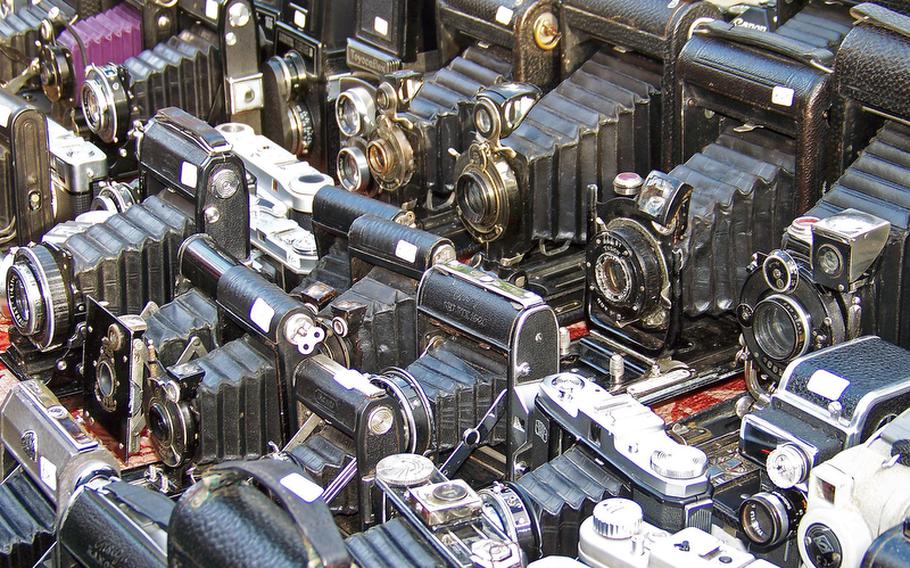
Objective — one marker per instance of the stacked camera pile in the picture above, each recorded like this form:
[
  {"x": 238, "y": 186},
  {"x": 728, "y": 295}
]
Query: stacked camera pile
[{"x": 390, "y": 283}]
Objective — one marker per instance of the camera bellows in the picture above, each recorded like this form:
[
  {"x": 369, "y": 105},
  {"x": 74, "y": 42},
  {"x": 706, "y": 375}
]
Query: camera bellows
[
  {"x": 393, "y": 544},
  {"x": 324, "y": 457},
  {"x": 461, "y": 385},
  {"x": 458, "y": 81},
  {"x": 742, "y": 200},
  {"x": 26, "y": 521},
  {"x": 818, "y": 25},
  {"x": 562, "y": 494}
]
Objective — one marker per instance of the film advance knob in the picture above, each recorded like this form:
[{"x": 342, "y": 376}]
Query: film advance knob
[
  {"x": 617, "y": 518},
  {"x": 679, "y": 462},
  {"x": 405, "y": 470}
]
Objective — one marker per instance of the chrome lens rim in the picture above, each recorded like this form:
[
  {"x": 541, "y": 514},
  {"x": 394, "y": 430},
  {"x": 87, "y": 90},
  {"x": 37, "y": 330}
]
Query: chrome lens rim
[
  {"x": 352, "y": 169},
  {"x": 780, "y": 326}
]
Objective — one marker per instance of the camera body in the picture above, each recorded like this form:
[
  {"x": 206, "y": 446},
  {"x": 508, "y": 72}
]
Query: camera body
[
  {"x": 373, "y": 324},
  {"x": 669, "y": 480},
  {"x": 77, "y": 168},
  {"x": 847, "y": 508},
  {"x": 282, "y": 203},
  {"x": 390, "y": 35},
  {"x": 827, "y": 283},
  {"x": 27, "y": 211},
  {"x": 479, "y": 336},
  {"x": 827, "y": 401}
]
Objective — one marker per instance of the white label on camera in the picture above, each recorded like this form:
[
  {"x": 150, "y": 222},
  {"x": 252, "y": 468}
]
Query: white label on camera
[
  {"x": 5, "y": 111},
  {"x": 504, "y": 15},
  {"x": 261, "y": 314},
  {"x": 189, "y": 174},
  {"x": 406, "y": 251},
  {"x": 827, "y": 384},
  {"x": 47, "y": 471},
  {"x": 302, "y": 487},
  {"x": 381, "y": 26},
  {"x": 300, "y": 19},
  {"x": 782, "y": 96},
  {"x": 211, "y": 9},
  {"x": 353, "y": 380}
]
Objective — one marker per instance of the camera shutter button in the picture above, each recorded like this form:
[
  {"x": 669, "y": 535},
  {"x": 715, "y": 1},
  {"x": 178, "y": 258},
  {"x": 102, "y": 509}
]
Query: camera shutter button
[{"x": 617, "y": 518}]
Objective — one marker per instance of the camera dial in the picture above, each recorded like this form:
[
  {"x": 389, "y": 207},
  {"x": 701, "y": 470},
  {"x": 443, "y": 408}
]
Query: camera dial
[{"x": 787, "y": 466}]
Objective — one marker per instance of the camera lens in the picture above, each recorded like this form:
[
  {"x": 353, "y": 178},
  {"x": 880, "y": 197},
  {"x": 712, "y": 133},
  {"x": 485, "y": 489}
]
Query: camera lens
[
  {"x": 105, "y": 103},
  {"x": 485, "y": 119},
  {"x": 829, "y": 260},
  {"x": 780, "y": 327},
  {"x": 105, "y": 379},
  {"x": 352, "y": 169},
  {"x": 159, "y": 425},
  {"x": 613, "y": 276},
  {"x": 26, "y": 304},
  {"x": 479, "y": 205},
  {"x": 767, "y": 518},
  {"x": 355, "y": 112}
]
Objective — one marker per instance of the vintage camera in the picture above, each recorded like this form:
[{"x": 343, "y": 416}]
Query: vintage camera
[
  {"x": 334, "y": 211},
  {"x": 205, "y": 70},
  {"x": 421, "y": 117},
  {"x": 440, "y": 521},
  {"x": 26, "y": 210},
  {"x": 109, "y": 37},
  {"x": 827, "y": 401},
  {"x": 856, "y": 496},
  {"x": 192, "y": 408},
  {"x": 778, "y": 98},
  {"x": 641, "y": 256},
  {"x": 241, "y": 512},
  {"x": 185, "y": 71},
  {"x": 479, "y": 336},
  {"x": 281, "y": 204},
  {"x": 616, "y": 536},
  {"x": 631, "y": 50},
  {"x": 351, "y": 418},
  {"x": 301, "y": 78},
  {"x": 194, "y": 183},
  {"x": 373, "y": 324},
  {"x": 669, "y": 480},
  {"x": 406, "y": 146},
  {"x": 827, "y": 282},
  {"x": 121, "y": 352},
  {"x": 21, "y": 30}
]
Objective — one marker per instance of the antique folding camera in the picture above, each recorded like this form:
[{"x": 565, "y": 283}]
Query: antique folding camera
[
  {"x": 827, "y": 283},
  {"x": 300, "y": 79},
  {"x": 334, "y": 211},
  {"x": 372, "y": 325},
  {"x": 21, "y": 30},
  {"x": 282, "y": 205},
  {"x": 856, "y": 496},
  {"x": 826, "y": 402},
  {"x": 352, "y": 425},
  {"x": 121, "y": 352},
  {"x": 194, "y": 183},
  {"x": 629, "y": 53},
  {"x": 191, "y": 408},
  {"x": 437, "y": 519},
  {"x": 205, "y": 70}
]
